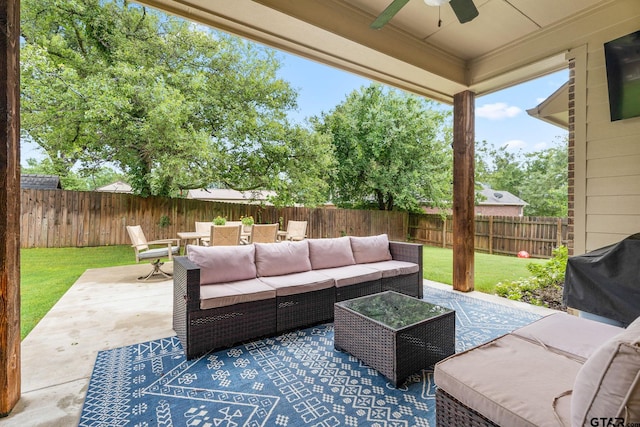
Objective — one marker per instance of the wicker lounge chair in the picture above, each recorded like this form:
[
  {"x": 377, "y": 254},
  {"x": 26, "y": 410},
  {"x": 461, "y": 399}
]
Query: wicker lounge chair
[{"x": 164, "y": 249}]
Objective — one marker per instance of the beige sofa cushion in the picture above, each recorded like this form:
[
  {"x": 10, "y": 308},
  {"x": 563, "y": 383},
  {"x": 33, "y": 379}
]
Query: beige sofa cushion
[
  {"x": 608, "y": 385},
  {"x": 393, "y": 268},
  {"x": 370, "y": 249},
  {"x": 568, "y": 335},
  {"x": 225, "y": 294},
  {"x": 327, "y": 253},
  {"x": 277, "y": 259},
  {"x": 350, "y": 275},
  {"x": 222, "y": 264},
  {"x": 511, "y": 381},
  {"x": 297, "y": 283}
]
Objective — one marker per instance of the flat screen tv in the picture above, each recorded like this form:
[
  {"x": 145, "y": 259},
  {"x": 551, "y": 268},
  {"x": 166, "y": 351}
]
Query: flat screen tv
[{"x": 622, "y": 58}]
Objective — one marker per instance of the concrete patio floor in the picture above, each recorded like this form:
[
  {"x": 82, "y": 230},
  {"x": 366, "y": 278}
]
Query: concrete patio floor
[{"x": 106, "y": 308}]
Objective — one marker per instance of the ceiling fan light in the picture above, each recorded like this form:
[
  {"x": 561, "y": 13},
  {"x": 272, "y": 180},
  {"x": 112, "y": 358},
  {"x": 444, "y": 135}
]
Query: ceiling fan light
[{"x": 435, "y": 2}]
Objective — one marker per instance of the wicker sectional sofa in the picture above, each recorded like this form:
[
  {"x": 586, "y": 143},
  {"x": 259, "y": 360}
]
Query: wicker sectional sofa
[
  {"x": 229, "y": 294},
  {"x": 561, "y": 370}
]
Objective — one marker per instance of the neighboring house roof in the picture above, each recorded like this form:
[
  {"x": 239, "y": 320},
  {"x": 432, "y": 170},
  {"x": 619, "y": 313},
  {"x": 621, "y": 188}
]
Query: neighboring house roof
[
  {"x": 496, "y": 197},
  {"x": 115, "y": 187},
  {"x": 40, "y": 182},
  {"x": 231, "y": 196}
]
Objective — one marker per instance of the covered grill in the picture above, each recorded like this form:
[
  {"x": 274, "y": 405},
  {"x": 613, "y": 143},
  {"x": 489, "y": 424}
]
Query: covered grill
[{"x": 606, "y": 281}]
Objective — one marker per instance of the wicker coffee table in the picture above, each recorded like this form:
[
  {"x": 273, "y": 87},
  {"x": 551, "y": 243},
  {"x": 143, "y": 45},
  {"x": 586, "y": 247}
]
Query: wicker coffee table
[{"x": 394, "y": 333}]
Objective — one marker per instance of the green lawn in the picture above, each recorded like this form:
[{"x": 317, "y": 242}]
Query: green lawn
[
  {"x": 489, "y": 269},
  {"x": 46, "y": 274}
]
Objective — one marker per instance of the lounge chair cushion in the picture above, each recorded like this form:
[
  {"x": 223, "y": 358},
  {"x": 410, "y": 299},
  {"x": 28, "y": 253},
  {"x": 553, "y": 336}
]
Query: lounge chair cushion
[
  {"x": 393, "y": 268},
  {"x": 497, "y": 380},
  {"x": 371, "y": 248},
  {"x": 297, "y": 283},
  {"x": 327, "y": 253},
  {"x": 608, "y": 385},
  {"x": 568, "y": 335},
  {"x": 226, "y": 294},
  {"x": 277, "y": 259},
  {"x": 223, "y": 264}
]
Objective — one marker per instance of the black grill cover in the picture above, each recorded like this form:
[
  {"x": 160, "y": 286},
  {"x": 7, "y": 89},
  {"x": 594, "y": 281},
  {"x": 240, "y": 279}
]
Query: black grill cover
[{"x": 606, "y": 281}]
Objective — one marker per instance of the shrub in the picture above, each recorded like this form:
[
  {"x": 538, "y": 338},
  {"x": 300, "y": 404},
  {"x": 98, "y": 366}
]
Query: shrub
[{"x": 545, "y": 283}]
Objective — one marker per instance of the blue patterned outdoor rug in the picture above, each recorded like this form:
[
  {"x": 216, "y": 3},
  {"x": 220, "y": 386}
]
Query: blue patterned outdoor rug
[{"x": 296, "y": 379}]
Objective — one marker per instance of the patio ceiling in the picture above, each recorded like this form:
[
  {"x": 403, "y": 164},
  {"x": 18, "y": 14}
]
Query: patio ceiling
[{"x": 511, "y": 41}]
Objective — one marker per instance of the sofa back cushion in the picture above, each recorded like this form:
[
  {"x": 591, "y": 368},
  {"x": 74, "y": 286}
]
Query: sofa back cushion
[
  {"x": 370, "y": 249},
  {"x": 276, "y": 259},
  {"x": 328, "y": 253},
  {"x": 608, "y": 384},
  {"x": 223, "y": 264}
]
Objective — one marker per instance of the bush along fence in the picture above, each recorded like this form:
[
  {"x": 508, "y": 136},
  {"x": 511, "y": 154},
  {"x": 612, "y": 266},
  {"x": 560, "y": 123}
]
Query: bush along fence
[{"x": 60, "y": 218}]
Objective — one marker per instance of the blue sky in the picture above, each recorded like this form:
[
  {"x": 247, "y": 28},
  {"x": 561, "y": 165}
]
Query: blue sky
[{"x": 501, "y": 117}]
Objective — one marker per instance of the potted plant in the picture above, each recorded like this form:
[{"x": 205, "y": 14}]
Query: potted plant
[
  {"x": 219, "y": 220},
  {"x": 247, "y": 222}
]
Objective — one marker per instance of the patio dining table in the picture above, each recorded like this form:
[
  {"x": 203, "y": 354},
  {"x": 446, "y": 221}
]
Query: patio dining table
[{"x": 197, "y": 236}]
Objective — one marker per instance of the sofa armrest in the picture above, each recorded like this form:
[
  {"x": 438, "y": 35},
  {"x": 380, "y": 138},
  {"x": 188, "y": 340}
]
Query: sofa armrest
[
  {"x": 409, "y": 252},
  {"x": 186, "y": 280}
]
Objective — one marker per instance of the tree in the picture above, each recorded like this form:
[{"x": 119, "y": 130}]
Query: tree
[
  {"x": 392, "y": 150},
  {"x": 82, "y": 180},
  {"x": 170, "y": 104},
  {"x": 546, "y": 187},
  {"x": 539, "y": 178},
  {"x": 498, "y": 168}
]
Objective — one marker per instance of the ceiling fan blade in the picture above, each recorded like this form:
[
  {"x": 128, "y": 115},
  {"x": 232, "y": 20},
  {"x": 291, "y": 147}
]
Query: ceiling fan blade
[
  {"x": 388, "y": 13},
  {"x": 465, "y": 10}
]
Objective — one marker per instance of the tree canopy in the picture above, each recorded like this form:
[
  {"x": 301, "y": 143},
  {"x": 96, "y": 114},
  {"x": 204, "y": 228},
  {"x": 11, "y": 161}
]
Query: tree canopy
[
  {"x": 539, "y": 178},
  {"x": 172, "y": 105},
  {"x": 392, "y": 150}
]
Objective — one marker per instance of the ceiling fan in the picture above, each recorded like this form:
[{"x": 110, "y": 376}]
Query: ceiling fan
[{"x": 465, "y": 10}]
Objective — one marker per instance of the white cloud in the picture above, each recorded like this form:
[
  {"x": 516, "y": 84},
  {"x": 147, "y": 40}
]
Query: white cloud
[
  {"x": 514, "y": 144},
  {"x": 539, "y": 100},
  {"x": 540, "y": 146},
  {"x": 497, "y": 111}
]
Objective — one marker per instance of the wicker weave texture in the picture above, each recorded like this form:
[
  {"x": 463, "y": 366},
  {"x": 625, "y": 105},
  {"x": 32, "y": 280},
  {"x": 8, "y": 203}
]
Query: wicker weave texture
[
  {"x": 396, "y": 354},
  {"x": 410, "y": 252},
  {"x": 405, "y": 284},
  {"x": 225, "y": 326},
  {"x": 305, "y": 309},
  {"x": 358, "y": 290},
  {"x": 451, "y": 413}
]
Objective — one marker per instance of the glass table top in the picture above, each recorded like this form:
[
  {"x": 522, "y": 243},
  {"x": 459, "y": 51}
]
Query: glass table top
[{"x": 394, "y": 309}]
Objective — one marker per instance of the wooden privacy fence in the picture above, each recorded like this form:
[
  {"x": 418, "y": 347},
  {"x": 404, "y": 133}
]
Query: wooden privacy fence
[
  {"x": 504, "y": 235},
  {"x": 59, "y": 218}
]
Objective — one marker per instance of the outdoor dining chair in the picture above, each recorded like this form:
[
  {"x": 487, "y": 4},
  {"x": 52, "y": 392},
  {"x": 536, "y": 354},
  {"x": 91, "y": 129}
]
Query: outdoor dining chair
[
  {"x": 264, "y": 233},
  {"x": 296, "y": 230},
  {"x": 163, "y": 249},
  {"x": 205, "y": 229},
  {"x": 225, "y": 235}
]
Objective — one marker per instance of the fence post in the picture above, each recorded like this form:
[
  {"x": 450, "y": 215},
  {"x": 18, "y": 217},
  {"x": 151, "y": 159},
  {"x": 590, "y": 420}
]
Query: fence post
[
  {"x": 559, "y": 232},
  {"x": 444, "y": 232},
  {"x": 491, "y": 234}
]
